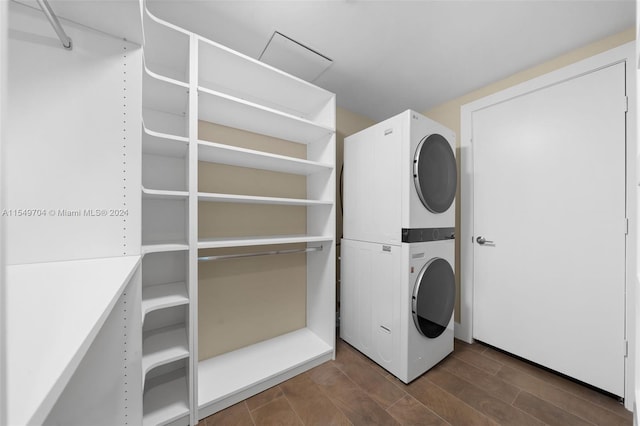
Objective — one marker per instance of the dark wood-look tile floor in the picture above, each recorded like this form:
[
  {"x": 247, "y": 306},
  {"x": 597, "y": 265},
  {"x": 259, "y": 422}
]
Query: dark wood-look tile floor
[{"x": 476, "y": 385}]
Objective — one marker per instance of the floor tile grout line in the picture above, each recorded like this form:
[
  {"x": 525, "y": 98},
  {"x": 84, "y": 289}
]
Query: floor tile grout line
[
  {"x": 430, "y": 410},
  {"x": 524, "y": 371},
  {"x": 250, "y": 413},
  {"x": 292, "y": 407},
  {"x": 565, "y": 391},
  {"x": 326, "y": 393},
  {"x": 462, "y": 401},
  {"x": 474, "y": 385},
  {"x": 262, "y": 405},
  {"x": 365, "y": 391},
  {"x": 451, "y": 371},
  {"x": 560, "y": 408}
]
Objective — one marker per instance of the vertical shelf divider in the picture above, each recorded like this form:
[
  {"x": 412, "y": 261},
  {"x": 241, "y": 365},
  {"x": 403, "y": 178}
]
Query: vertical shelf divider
[{"x": 192, "y": 227}]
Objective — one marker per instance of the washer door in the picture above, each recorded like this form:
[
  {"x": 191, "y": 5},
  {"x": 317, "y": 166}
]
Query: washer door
[
  {"x": 433, "y": 298},
  {"x": 434, "y": 173}
]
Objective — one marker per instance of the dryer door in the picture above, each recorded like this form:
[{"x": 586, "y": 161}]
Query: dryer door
[
  {"x": 433, "y": 298},
  {"x": 434, "y": 173}
]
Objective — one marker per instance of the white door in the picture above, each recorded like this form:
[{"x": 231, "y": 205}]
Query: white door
[{"x": 549, "y": 199}]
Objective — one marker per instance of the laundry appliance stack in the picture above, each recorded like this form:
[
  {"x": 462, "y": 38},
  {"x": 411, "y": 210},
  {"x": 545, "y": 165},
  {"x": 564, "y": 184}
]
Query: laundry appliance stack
[{"x": 397, "y": 291}]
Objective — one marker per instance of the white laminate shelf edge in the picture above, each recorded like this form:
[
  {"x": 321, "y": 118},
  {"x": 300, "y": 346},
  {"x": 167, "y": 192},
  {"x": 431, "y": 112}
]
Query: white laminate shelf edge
[
  {"x": 205, "y": 243},
  {"x": 164, "y": 247},
  {"x": 163, "y": 347},
  {"x": 162, "y": 296},
  {"x": 166, "y": 402},
  {"x": 160, "y": 194},
  {"x": 164, "y": 94},
  {"x": 234, "y": 372},
  {"x": 252, "y": 199},
  {"x": 228, "y": 71},
  {"x": 55, "y": 310},
  {"x": 163, "y": 144},
  {"x": 220, "y": 108},
  {"x": 213, "y": 152}
]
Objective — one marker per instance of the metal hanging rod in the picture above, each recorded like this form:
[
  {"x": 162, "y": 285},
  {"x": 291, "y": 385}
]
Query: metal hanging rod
[
  {"x": 53, "y": 19},
  {"x": 262, "y": 253}
]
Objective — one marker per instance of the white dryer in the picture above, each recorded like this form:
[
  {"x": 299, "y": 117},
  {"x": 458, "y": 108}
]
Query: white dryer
[
  {"x": 400, "y": 180},
  {"x": 397, "y": 303}
]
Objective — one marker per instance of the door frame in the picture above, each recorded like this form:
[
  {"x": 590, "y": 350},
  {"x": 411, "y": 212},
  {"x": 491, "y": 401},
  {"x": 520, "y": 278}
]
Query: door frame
[{"x": 625, "y": 54}]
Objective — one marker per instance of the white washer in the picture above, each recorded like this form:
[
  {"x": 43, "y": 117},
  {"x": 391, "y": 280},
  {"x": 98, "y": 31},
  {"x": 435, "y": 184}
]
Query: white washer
[
  {"x": 397, "y": 303},
  {"x": 400, "y": 180}
]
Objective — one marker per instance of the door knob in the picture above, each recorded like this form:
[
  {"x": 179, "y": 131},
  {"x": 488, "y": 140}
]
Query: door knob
[{"x": 483, "y": 240}]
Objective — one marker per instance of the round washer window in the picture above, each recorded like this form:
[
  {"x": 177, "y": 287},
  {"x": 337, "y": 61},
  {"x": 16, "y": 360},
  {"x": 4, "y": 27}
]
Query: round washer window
[
  {"x": 433, "y": 298},
  {"x": 434, "y": 173}
]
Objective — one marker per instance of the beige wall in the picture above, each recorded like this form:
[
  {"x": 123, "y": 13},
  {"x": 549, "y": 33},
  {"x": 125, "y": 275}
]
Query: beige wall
[
  {"x": 448, "y": 113},
  {"x": 244, "y": 301}
]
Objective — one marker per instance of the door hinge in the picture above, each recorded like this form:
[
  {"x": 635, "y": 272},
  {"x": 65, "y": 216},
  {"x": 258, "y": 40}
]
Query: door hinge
[
  {"x": 626, "y": 226},
  {"x": 626, "y": 104},
  {"x": 626, "y": 348}
]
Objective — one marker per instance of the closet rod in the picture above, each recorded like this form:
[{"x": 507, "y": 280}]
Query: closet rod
[
  {"x": 53, "y": 19},
  {"x": 262, "y": 253}
]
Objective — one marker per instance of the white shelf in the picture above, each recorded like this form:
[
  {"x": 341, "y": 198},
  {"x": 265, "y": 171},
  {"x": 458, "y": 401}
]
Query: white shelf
[
  {"x": 166, "y": 402},
  {"x": 164, "y": 346},
  {"x": 44, "y": 350},
  {"x": 205, "y": 243},
  {"x": 164, "y": 94},
  {"x": 162, "y": 296},
  {"x": 158, "y": 143},
  {"x": 158, "y": 194},
  {"x": 225, "y": 378},
  {"x": 229, "y": 111},
  {"x": 212, "y": 152},
  {"x": 251, "y": 199},
  {"x": 166, "y": 47},
  {"x": 169, "y": 246},
  {"x": 227, "y": 71}
]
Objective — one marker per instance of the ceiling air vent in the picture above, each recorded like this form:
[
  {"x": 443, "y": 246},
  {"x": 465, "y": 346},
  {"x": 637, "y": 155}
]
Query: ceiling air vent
[{"x": 295, "y": 58}]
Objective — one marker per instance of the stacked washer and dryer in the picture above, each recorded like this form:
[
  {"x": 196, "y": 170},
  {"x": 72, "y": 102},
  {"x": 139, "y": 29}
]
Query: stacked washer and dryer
[{"x": 397, "y": 291}]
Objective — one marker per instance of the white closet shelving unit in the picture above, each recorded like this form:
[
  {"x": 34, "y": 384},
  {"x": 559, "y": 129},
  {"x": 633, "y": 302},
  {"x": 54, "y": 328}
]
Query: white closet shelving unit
[
  {"x": 189, "y": 79},
  {"x": 167, "y": 347}
]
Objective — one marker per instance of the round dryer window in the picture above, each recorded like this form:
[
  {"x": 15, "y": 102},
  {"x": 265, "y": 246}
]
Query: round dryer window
[
  {"x": 434, "y": 173},
  {"x": 433, "y": 298}
]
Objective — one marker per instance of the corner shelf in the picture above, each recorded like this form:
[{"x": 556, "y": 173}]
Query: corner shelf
[
  {"x": 213, "y": 152},
  {"x": 164, "y": 144},
  {"x": 162, "y": 347},
  {"x": 161, "y": 296},
  {"x": 163, "y": 247},
  {"x": 171, "y": 56},
  {"x": 166, "y": 402},
  {"x": 164, "y": 94},
  {"x": 157, "y": 194}
]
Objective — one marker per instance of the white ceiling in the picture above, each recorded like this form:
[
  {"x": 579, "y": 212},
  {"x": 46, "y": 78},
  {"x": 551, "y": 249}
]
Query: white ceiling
[{"x": 392, "y": 55}]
